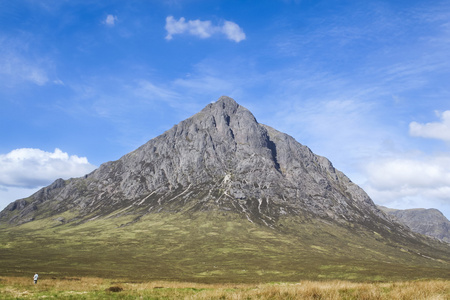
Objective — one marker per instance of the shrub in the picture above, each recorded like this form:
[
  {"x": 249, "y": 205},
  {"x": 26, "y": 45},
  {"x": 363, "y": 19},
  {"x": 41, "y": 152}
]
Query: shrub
[{"x": 114, "y": 289}]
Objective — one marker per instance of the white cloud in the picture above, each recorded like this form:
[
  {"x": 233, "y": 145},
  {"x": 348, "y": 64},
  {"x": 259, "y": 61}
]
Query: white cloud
[
  {"x": 28, "y": 168},
  {"x": 233, "y": 31},
  {"x": 175, "y": 27},
  {"x": 410, "y": 182},
  {"x": 110, "y": 20},
  {"x": 410, "y": 174},
  {"x": 415, "y": 179},
  {"x": 435, "y": 130},
  {"x": 202, "y": 29}
]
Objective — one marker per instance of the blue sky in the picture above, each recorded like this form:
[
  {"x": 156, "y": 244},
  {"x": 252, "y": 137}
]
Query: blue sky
[{"x": 364, "y": 83}]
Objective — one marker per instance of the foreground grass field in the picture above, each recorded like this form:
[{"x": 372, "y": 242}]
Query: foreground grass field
[{"x": 97, "y": 288}]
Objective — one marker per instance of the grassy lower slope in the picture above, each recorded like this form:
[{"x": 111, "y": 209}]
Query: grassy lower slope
[{"x": 213, "y": 247}]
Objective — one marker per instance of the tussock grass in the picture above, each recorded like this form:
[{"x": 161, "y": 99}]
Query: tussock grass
[{"x": 98, "y": 288}]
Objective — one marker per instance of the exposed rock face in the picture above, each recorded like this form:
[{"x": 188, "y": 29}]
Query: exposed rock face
[
  {"x": 429, "y": 222},
  {"x": 219, "y": 159}
]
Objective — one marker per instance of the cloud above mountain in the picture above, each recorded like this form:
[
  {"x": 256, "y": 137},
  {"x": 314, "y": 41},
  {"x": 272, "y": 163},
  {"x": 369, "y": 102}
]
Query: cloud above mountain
[
  {"x": 203, "y": 29},
  {"x": 29, "y": 168},
  {"x": 413, "y": 179},
  {"x": 405, "y": 186}
]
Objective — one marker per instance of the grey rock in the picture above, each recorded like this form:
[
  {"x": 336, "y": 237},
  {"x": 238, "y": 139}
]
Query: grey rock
[
  {"x": 430, "y": 222},
  {"x": 17, "y": 205},
  {"x": 219, "y": 159}
]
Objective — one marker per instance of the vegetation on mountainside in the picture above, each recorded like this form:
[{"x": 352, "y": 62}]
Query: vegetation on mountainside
[{"x": 213, "y": 247}]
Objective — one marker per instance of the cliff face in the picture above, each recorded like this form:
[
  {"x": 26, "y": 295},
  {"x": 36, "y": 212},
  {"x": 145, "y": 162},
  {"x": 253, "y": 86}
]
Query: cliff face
[
  {"x": 430, "y": 222},
  {"x": 219, "y": 159}
]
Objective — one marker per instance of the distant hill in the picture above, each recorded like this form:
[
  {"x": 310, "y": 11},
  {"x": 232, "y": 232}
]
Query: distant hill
[
  {"x": 430, "y": 222},
  {"x": 218, "y": 197}
]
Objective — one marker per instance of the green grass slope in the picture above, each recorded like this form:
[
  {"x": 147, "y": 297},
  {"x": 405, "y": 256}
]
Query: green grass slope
[{"x": 216, "y": 247}]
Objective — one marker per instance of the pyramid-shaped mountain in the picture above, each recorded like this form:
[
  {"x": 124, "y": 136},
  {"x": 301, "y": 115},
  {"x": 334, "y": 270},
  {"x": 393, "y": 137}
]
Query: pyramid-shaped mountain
[
  {"x": 219, "y": 159},
  {"x": 217, "y": 197}
]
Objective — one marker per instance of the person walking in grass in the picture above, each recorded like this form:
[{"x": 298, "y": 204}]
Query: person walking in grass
[{"x": 35, "y": 278}]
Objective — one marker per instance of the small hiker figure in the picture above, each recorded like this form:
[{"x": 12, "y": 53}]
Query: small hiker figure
[{"x": 35, "y": 278}]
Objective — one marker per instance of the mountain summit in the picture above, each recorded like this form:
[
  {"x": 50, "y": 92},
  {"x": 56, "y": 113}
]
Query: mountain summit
[
  {"x": 218, "y": 197},
  {"x": 219, "y": 159}
]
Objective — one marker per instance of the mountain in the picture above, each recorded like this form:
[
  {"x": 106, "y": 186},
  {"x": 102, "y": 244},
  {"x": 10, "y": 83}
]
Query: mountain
[
  {"x": 218, "y": 188},
  {"x": 430, "y": 222},
  {"x": 221, "y": 158}
]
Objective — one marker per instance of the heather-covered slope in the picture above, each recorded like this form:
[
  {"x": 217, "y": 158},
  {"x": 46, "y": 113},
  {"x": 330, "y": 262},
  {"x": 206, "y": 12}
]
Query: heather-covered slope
[{"x": 213, "y": 246}]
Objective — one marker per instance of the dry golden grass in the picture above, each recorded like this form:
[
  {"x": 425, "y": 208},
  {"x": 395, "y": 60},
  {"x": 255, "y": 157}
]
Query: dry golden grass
[{"x": 97, "y": 288}]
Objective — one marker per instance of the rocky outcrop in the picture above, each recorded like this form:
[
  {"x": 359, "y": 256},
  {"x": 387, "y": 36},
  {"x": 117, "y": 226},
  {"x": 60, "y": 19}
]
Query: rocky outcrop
[
  {"x": 430, "y": 222},
  {"x": 219, "y": 159}
]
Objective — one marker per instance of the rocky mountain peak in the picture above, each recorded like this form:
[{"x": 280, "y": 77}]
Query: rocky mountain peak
[
  {"x": 219, "y": 159},
  {"x": 227, "y": 104},
  {"x": 227, "y": 118}
]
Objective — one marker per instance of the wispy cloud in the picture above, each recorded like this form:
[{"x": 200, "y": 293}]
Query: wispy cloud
[
  {"x": 15, "y": 69},
  {"x": 148, "y": 90},
  {"x": 19, "y": 64},
  {"x": 206, "y": 84},
  {"x": 203, "y": 29}
]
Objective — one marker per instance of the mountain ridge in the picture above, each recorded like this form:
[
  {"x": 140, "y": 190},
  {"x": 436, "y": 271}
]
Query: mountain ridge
[
  {"x": 430, "y": 222},
  {"x": 222, "y": 143},
  {"x": 218, "y": 188}
]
